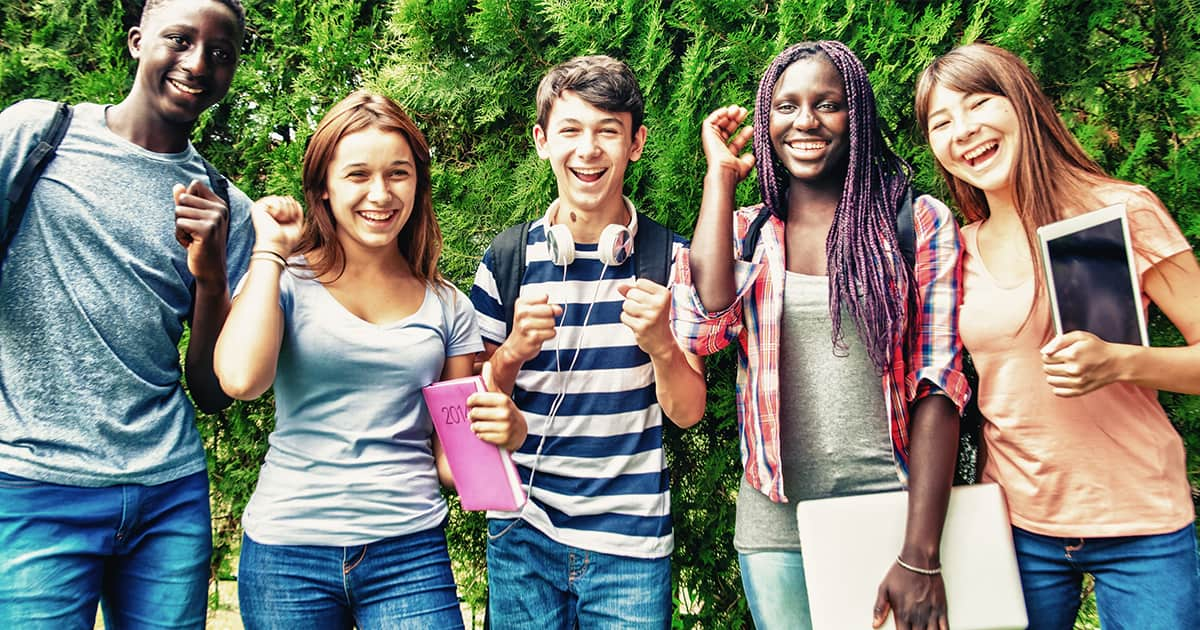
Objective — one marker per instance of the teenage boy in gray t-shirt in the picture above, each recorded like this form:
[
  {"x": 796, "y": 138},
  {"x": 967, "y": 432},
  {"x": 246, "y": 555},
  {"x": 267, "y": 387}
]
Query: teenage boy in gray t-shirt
[{"x": 103, "y": 488}]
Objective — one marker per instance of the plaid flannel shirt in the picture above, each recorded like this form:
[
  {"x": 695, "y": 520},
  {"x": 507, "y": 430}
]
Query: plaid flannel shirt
[{"x": 933, "y": 364}]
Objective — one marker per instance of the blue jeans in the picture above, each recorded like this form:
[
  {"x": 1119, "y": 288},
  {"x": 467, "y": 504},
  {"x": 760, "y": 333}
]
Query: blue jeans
[
  {"x": 142, "y": 552},
  {"x": 535, "y": 583},
  {"x": 401, "y": 583},
  {"x": 1142, "y": 582},
  {"x": 775, "y": 589}
]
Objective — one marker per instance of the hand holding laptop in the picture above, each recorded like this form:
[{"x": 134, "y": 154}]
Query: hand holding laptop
[{"x": 911, "y": 591}]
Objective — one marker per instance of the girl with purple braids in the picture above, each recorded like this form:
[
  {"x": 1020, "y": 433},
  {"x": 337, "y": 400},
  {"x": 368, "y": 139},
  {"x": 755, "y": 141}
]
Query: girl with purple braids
[{"x": 859, "y": 409}]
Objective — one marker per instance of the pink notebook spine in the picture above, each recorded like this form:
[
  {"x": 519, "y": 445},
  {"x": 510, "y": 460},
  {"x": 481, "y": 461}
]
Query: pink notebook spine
[{"x": 484, "y": 474}]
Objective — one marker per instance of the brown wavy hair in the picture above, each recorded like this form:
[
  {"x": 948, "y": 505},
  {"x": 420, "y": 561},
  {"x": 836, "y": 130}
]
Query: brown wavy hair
[{"x": 420, "y": 240}]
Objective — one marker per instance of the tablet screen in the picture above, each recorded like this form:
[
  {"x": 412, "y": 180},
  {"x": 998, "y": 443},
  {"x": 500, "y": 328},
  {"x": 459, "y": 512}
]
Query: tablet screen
[{"x": 1092, "y": 282}]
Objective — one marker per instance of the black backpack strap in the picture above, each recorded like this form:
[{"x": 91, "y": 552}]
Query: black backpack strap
[
  {"x": 35, "y": 163},
  {"x": 652, "y": 249},
  {"x": 906, "y": 231},
  {"x": 216, "y": 181},
  {"x": 508, "y": 252},
  {"x": 753, "y": 233},
  {"x": 220, "y": 186}
]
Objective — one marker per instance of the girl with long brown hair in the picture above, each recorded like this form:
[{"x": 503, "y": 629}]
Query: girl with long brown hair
[
  {"x": 344, "y": 312},
  {"x": 1092, "y": 469}
]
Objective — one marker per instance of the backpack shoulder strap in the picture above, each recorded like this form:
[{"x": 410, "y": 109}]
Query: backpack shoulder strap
[
  {"x": 753, "y": 233},
  {"x": 652, "y": 248},
  {"x": 35, "y": 163},
  {"x": 220, "y": 186},
  {"x": 906, "y": 231},
  {"x": 508, "y": 251}
]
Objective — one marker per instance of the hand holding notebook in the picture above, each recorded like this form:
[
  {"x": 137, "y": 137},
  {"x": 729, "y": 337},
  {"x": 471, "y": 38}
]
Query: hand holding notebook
[{"x": 484, "y": 474}]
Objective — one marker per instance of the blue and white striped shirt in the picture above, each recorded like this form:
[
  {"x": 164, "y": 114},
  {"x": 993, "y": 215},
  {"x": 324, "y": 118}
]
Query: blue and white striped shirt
[{"x": 601, "y": 481}]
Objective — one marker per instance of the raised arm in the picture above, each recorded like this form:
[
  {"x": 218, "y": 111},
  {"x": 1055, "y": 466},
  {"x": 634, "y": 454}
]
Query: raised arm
[
  {"x": 678, "y": 375},
  {"x": 712, "y": 243},
  {"x": 201, "y": 218},
  {"x": 248, "y": 347}
]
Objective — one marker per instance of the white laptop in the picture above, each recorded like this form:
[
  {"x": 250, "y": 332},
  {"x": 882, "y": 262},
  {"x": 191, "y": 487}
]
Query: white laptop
[
  {"x": 849, "y": 543},
  {"x": 1091, "y": 276}
]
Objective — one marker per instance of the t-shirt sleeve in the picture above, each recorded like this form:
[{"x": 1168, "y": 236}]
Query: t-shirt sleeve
[
  {"x": 485, "y": 297},
  {"x": 1155, "y": 234},
  {"x": 463, "y": 336}
]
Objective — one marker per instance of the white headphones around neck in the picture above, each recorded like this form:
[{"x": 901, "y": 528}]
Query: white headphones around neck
[{"x": 615, "y": 246}]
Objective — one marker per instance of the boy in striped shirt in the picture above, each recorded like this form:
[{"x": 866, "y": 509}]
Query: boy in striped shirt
[{"x": 590, "y": 359}]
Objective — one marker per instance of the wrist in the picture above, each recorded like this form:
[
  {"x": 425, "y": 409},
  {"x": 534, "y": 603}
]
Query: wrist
[
  {"x": 721, "y": 175},
  {"x": 506, "y": 359},
  {"x": 211, "y": 288},
  {"x": 920, "y": 569},
  {"x": 271, "y": 248},
  {"x": 921, "y": 555}
]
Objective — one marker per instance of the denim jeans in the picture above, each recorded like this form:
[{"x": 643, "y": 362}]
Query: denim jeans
[
  {"x": 536, "y": 583},
  {"x": 775, "y": 589},
  {"x": 142, "y": 552},
  {"x": 401, "y": 583},
  {"x": 1142, "y": 582}
]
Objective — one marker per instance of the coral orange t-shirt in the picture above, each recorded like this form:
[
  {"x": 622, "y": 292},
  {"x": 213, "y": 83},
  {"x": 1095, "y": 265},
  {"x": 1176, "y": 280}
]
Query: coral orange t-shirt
[{"x": 1107, "y": 463}]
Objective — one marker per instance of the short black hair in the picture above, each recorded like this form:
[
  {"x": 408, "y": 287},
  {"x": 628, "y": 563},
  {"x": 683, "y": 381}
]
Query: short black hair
[
  {"x": 239, "y": 11},
  {"x": 601, "y": 81}
]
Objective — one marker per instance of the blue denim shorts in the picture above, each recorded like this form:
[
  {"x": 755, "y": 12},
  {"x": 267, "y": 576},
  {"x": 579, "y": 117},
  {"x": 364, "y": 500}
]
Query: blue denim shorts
[
  {"x": 399, "y": 583},
  {"x": 142, "y": 552},
  {"x": 535, "y": 583}
]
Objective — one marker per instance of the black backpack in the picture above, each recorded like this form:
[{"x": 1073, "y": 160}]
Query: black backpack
[
  {"x": 966, "y": 471},
  {"x": 652, "y": 248},
  {"x": 39, "y": 157}
]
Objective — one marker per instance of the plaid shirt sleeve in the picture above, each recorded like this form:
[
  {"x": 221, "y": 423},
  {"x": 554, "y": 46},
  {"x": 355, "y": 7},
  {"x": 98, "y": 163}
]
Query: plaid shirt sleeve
[
  {"x": 935, "y": 365},
  {"x": 701, "y": 331}
]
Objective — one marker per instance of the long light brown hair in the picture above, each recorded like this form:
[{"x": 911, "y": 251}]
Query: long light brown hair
[
  {"x": 420, "y": 240},
  {"x": 1050, "y": 165},
  {"x": 1050, "y": 170}
]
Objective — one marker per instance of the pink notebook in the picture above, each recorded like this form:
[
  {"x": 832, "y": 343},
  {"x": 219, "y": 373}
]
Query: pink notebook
[{"x": 484, "y": 474}]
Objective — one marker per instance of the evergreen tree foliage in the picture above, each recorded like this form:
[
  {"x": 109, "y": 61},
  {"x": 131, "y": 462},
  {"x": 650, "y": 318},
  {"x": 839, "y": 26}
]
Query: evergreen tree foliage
[{"x": 1124, "y": 73}]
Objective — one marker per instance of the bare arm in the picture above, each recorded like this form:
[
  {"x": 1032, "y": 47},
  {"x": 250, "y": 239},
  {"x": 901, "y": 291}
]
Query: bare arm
[
  {"x": 712, "y": 242},
  {"x": 248, "y": 347},
  {"x": 917, "y": 599},
  {"x": 533, "y": 324},
  {"x": 1079, "y": 362},
  {"x": 678, "y": 375},
  {"x": 200, "y": 220}
]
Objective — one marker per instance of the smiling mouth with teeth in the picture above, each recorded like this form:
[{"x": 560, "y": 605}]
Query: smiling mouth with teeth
[
  {"x": 380, "y": 215},
  {"x": 183, "y": 88},
  {"x": 977, "y": 154},
  {"x": 808, "y": 145},
  {"x": 588, "y": 174}
]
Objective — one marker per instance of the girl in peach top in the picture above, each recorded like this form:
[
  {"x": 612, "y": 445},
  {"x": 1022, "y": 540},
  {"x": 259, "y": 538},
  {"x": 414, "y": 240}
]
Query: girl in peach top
[{"x": 1093, "y": 471}]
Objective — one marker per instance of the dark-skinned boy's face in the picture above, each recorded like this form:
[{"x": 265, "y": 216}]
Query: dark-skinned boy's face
[{"x": 187, "y": 52}]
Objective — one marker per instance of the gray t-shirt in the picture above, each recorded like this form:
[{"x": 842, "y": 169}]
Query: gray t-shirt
[
  {"x": 834, "y": 437},
  {"x": 350, "y": 460},
  {"x": 94, "y": 293}
]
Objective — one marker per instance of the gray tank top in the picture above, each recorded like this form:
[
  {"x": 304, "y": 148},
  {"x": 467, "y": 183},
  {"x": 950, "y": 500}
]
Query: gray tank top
[{"x": 834, "y": 436}]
